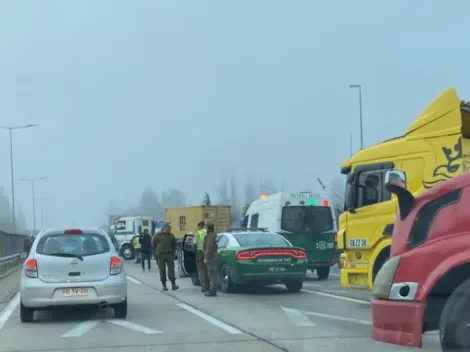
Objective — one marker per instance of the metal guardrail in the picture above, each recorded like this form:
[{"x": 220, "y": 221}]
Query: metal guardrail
[{"x": 9, "y": 263}]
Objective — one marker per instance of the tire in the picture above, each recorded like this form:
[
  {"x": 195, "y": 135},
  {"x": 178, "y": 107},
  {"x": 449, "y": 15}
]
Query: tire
[
  {"x": 127, "y": 252},
  {"x": 294, "y": 285},
  {"x": 225, "y": 282},
  {"x": 120, "y": 310},
  {"x": 323, "y": 273},
  {"x": 26, "y": 314},
  {"x": 195, "y": 280},
  {"x": 453, "y": 334}
]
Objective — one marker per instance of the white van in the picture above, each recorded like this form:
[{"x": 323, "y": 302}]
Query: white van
[{"x": 305, "y": 219}]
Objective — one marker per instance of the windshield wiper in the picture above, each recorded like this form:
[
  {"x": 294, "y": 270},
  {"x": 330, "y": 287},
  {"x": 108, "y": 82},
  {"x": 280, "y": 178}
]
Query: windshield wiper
[{"x": 69, "y": 255}]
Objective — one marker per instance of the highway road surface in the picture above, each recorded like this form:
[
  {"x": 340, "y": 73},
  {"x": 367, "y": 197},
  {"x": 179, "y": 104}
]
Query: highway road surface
[{"x": 323, "y": 317}]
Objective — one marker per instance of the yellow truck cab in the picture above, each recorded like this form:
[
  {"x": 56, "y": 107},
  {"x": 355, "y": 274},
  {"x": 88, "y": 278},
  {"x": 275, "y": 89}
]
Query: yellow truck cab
[{"x": 434, "y": 148}]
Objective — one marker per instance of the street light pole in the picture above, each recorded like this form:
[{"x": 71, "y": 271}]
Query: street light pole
[
  {"x": 350, "y": 144},
  {"x": 359, "y": 86},
  {"x": 13, "y": 208},
  {"x": 33, "y": 181},
  {"x": 42, "y": 200}
]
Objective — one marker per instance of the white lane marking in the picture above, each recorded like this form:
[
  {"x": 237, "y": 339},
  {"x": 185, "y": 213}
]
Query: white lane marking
[
  {"x": 220, "y": 324},
  {"x": 130, "y": 278},
  {"x": 81, "y": 328},
  {"x": 333, "y": 274},
  {"x": 133, "y": 326},
  {"x": 336, "y": 317},
  {"x": 313, "y": 285},
  {"x": 298, "y": 317},
  {"x": 9, "y": 309},
  {"x": 335, "y": 291},
  {"x": 349, "y": 299}
]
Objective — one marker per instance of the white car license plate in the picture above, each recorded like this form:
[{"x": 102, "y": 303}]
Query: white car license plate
[{"x": 75, "y": 291}]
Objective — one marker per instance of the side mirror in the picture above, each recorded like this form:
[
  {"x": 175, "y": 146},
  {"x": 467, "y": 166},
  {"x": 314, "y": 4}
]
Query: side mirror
[
  {"x": 396, "y": 178},
  {"x": 395, "y": 182},
  {"x": 23, "y": 255}
]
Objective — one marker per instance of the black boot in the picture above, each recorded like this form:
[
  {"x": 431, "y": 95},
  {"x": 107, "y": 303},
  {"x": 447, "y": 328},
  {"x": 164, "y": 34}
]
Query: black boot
[
  {"x": 173, "y": 285},
  {"x": 164, "y": 286},
  {"x": 203, "y": 290},
  {"x": 210, "y": 293}
]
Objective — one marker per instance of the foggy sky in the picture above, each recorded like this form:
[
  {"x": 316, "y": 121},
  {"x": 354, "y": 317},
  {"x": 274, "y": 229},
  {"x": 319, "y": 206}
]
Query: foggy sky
[{"x": 179, "y": 93}]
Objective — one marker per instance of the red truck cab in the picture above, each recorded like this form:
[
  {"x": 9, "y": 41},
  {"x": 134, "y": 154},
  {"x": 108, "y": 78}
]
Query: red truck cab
[{"x": 425, "y": 285}]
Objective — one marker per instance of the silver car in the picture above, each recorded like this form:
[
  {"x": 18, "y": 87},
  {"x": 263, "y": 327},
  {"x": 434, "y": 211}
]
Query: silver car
[{"x": 70, "y": 268}]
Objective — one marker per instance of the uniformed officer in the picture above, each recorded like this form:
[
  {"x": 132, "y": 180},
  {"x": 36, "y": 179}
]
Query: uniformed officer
[
  {"x": 136, "y": 245},
  {"x": 198, "y": 244},
  {"x": 164, "y": 244},
  {"x": 210, "y": 259}
]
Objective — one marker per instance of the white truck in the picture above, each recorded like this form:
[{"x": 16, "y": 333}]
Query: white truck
[{"x": 124, "y": 229}]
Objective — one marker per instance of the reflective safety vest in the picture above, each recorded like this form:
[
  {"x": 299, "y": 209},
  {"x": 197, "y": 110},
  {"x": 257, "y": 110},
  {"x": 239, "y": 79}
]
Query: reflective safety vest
[
  {"x": 201, "y": 234},
  {"x": 136, "y": 242}
]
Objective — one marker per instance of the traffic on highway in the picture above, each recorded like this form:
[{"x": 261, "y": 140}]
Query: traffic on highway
[{"x": 185, "y": 144}]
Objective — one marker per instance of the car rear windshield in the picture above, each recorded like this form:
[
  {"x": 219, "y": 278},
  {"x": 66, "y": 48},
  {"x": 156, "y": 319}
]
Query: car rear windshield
[
  {"x": 306, "y": 219},
  {"x": 260, "y": 240},
  {"x": 84, "y": 244}
]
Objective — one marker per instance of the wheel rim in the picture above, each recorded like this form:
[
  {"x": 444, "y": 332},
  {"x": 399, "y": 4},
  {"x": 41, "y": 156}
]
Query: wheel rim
[
  {"x": 127, "y": 253},
  {"x": 224, "y": 278}
]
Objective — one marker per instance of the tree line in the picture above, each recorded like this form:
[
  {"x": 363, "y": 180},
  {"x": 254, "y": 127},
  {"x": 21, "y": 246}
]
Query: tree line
[
  {"x": 227, "y": 193},
  {"x": 6, "y": 224}
]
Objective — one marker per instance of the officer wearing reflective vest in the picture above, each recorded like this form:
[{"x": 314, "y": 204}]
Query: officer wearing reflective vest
[
  {"x": 198, "y": 245},
  {"x": 136, "y": 244}
]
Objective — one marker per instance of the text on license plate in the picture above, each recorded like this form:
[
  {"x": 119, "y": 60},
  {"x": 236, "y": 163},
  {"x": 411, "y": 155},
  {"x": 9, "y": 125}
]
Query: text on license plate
[
  {"x": 358, "y": 242},
  {"x": 276, "y": 269},
  {"x": 274, "y": 260},
  {"x": 75, "y": 291}
]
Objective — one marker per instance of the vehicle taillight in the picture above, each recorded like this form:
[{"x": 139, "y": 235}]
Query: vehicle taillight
[
  {"x": 253, "y": 254},
  {"x": 31, "y": 268},
  {"x": 115, "y": 265},
  {"x": 73, "y": 232}
]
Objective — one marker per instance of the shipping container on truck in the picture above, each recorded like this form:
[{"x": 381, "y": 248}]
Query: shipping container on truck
[{"x": 184, "y": 220}]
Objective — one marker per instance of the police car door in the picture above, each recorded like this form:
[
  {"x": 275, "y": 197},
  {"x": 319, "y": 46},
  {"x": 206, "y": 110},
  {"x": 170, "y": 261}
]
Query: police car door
[{"x": 187, "y": 257}]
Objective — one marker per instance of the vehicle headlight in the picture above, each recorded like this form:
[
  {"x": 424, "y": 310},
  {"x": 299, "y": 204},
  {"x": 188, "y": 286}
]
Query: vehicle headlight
[{"x": 384, "y": 279}]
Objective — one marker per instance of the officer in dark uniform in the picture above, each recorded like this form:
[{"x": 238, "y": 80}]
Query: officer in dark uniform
[
  {"x": 210, "y": 259},
  {"x": 164, "y": 244}
]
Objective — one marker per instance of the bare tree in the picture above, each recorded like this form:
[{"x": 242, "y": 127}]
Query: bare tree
[{"x": 222, "y": 193}]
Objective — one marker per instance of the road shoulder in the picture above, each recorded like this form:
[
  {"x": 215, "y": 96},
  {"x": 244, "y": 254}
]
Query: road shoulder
[{"x": 9, "y": 286}]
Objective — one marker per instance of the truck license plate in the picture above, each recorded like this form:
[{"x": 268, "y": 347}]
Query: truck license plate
[
  {"x": 75, "y": 291},
  {"x": 358, "y": 242}
]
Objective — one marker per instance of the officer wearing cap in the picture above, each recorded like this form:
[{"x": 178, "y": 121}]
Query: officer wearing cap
[
  {"x": 164, "y": 245},
  {"x": 210, "y": 259},
  {"x": 198, "y": 244}
]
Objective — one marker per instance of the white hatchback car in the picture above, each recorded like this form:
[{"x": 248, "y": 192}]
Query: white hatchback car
[{"x": 71, "y": 268}]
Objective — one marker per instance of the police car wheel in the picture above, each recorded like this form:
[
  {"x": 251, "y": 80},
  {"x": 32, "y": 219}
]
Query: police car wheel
[
  {"x": 294, "y": 285},
  {"x": 225, "y": 282},
  {"x": 454, "y": 327}
]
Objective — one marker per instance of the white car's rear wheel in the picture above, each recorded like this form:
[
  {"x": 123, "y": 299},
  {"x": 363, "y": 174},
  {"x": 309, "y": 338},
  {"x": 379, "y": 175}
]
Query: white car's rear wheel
[
  {"x": 26, "y": 314},
  {"x": 120, "y": 310}
]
